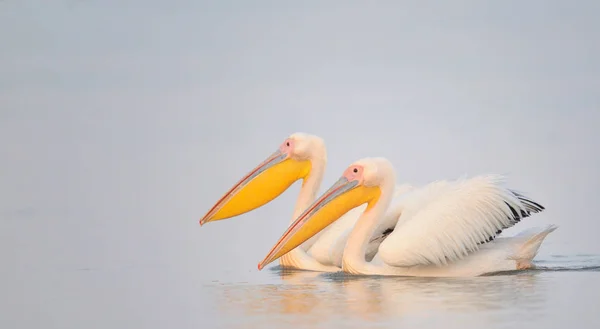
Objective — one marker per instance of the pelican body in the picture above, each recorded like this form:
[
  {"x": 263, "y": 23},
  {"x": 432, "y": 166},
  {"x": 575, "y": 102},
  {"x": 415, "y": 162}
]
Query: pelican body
[
  {"x": 445, "y": 229},
  {"x": 300, "y": 157}
]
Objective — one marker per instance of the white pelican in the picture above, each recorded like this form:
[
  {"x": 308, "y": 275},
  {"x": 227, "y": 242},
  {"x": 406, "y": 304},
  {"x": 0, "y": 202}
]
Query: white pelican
[
  {"x": 445, "y": 229},
  {"x": 300, "y": 156}
]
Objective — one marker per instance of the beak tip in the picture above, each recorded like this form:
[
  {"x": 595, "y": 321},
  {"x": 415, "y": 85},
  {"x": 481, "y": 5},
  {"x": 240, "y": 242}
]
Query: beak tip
[
  {"x": 260, "y": 266},
  {"x": 204, "y": 220}
]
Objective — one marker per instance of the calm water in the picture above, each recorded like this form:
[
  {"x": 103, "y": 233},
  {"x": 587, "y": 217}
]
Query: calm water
[
  {"x": 103, "y": 274},
  {"x": 561, "y": 292},
  {"x": 122, "y": 122}
]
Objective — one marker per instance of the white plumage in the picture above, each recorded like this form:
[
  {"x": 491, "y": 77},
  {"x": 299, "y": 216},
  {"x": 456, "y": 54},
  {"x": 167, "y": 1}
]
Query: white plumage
[{"x": 446, "y": 221}]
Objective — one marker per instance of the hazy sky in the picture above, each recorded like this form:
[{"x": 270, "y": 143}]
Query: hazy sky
[{"x": 122, "y": 122}]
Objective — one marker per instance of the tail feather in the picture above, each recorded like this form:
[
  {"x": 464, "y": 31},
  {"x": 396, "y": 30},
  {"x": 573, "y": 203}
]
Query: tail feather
[{"x": 532, "y": 240}]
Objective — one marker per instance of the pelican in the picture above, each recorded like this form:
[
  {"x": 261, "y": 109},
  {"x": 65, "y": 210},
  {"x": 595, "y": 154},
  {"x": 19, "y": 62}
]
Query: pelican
[
  {"x": 300, "y": 156},
  {"x": 445, "y": 229}
]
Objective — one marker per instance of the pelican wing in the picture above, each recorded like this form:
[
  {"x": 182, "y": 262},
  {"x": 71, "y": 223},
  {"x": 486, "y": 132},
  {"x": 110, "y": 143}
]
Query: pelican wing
[{"x": 447, "y": 221}]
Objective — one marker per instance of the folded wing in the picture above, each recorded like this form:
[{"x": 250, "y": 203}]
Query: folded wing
[{"x": 446, "y": 221}]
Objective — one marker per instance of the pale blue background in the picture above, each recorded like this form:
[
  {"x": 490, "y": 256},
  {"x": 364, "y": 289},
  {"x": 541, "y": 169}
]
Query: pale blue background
[{"x": 122, "y": 122}]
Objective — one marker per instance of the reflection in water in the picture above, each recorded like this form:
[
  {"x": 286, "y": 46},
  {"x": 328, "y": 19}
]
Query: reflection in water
[{"x": 315, "y": 299}]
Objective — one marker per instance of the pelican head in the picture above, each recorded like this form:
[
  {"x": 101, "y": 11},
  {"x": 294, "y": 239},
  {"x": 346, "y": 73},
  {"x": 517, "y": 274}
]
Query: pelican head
[
  {"x": 364, "y": 181},
  {"x": 293, "y": 160}
]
